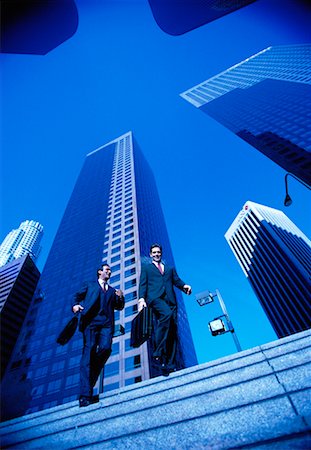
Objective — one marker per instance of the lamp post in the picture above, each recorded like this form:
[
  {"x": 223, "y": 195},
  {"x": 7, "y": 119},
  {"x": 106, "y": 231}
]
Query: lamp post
[
  {"x": 218, "y": 325},
  {"x": 288, "y": 201}
]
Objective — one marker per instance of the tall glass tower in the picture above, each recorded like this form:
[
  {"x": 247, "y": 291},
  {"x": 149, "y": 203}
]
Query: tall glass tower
[
  {"x": 18, "y": 281},
  {"x": 275, "y": 256},
  {"x": 265, "y": 100},
  {"x": 113, "y": 216},
  {"x": 23, "y": 241}
]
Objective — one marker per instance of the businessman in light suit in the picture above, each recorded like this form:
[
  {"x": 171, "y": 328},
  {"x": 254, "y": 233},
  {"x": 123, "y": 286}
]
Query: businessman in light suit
[
  {"x": 156, "y": 289},
  {"x": 97, "y": 325}
]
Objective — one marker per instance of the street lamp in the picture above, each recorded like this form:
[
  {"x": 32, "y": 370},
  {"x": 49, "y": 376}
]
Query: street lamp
[
  {"x": 218, "y": 325},
  {"x": 288, "y": 201}
]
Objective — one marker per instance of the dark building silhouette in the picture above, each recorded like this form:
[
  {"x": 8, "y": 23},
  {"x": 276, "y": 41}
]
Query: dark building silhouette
[
  {"x": 36, "y": 27},
  {"x": 179, "y": 16},
  {"x": 18, "y": 282}
]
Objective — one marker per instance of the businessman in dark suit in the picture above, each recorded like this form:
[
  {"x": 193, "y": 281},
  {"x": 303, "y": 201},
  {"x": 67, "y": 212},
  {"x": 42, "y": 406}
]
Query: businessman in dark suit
[
  {"x": 97, "y": 325},
  {"x": 156, "y": 289}
]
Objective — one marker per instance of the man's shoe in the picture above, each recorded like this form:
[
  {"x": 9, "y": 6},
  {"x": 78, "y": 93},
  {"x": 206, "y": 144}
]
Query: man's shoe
[
  {"x": 165, "y": 370},
  {"x": 84, "y": 401},
  {"x": 94, "y": 399},
  {"x": 157, "y": 360}
]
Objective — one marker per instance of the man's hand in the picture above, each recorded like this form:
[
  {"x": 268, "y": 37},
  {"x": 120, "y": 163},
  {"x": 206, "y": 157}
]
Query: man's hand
[
  {"x": 141, "y": 304},
  {"x": 119, "y": 293},
  {"x": 187, "y": 289},
  {"x": 77, "y": 308}
]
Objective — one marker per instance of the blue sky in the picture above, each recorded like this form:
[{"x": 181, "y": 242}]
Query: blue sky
[{"x": 121, "y": 72}]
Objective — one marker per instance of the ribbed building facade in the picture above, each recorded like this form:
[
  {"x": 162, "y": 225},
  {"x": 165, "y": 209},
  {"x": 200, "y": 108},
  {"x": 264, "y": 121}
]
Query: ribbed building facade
[
  {"x": 18, "y": 282},
  {"x": 275, "y": 256},
  {"x": 20, "y": 242},
  {"x": 265, "y": 100},
  {"x": 113, "y": 216}
]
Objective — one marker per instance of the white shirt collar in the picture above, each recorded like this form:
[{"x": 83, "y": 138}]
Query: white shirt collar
[{"x": 103, "y": 284}]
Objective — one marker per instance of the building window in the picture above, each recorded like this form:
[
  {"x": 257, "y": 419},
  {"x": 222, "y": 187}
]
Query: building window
[
  {"x": 115, "y": 258},
  {"x": 72, "y": 380},
  {"x": 133, "y": 380},
  {"x": 130, "y": 283},
  {"x": 129, "y": 244},
  {"x": 53, "y": 386},
  {"x": 129, "y": 262},
  {"x": 131, "y": 296},
  {"x": 58, "y": 367},
  {"x": 115, "y": 348},
  {"x": 116, "y": 250},
  {"x": 114, "y": 279},
  {"x": 111, "y": 369},
  {"x": 130, "y": 310},
  {"x": 127, "y": 345},
  {"x": 130, "y": 272},
  {"x": 132, "y": 363},
  {"x": 111, "y": 387},
  {"x": 115, "y": 242},
  {"x": 129, "y": 252}
]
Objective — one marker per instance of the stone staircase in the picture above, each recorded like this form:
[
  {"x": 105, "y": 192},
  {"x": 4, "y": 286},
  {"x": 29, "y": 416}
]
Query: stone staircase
[{"x": 259, "y": 398}]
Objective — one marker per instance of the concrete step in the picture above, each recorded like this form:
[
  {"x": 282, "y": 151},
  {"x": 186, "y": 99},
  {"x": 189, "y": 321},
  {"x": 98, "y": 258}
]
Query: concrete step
[{"x": 259, "y": 398}]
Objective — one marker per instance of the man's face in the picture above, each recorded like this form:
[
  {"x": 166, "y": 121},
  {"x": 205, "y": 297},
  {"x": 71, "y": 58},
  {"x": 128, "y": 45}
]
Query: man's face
[
  {"x": 156, "y": 254},
  {"x": 105, "y": 274}
]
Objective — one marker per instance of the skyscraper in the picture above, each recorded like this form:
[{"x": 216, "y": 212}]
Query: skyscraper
[
  {"x": 18, "y": 281},
  {"x": 275, "y": 256},
  {"x": 113, "y": 215},
  {"x": 178, "y": 17},
  {"x": 23, "y": 241},
  {"x": 265, "y": 100}
]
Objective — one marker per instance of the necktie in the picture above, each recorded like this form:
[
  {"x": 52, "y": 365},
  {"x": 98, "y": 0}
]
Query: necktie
[
  {"x": 160, "y": 268},
  {"x": 103, "y": 299}
]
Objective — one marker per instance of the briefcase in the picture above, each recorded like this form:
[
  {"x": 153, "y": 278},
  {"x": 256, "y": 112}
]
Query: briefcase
[
  {"x": 69, "y": 330},
  {"x": 141, "y": 327}
]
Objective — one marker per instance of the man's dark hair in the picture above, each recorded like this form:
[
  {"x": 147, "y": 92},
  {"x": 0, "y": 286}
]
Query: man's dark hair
[
  {"x": 101, "y": 268},
  {"x": 155, "y": 245}
]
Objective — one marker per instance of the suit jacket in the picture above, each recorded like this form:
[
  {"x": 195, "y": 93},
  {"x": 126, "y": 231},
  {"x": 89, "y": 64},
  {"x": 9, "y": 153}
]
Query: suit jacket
[
  {"x": 89, "y": 295},
  {"x": 153, "y": 284}
]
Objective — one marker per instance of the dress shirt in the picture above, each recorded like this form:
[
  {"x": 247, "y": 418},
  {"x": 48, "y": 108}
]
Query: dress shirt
[
  {"x": 157, "y": 265},
  {"x": 103, "y": 284}
]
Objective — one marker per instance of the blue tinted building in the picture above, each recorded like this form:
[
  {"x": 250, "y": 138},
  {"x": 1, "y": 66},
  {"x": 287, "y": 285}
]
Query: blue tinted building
[
  {"x": 275, "y": 256},
  {"x": 113, "y": 215},
  {"x": 18, "y": 282},
  {"x": 25, "y": 240},
  {"x": 177, "y": 17},
  {"x": 266, "y": 100}
]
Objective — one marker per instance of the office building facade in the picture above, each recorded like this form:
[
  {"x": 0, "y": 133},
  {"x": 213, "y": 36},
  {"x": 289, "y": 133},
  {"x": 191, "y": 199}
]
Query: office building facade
[
  {"x": 23, "y": 241},
  {"x": 113, "y": 216},
  {"x": 265, "y": 100},
  {"x": 275, "y": 256},
  {"x": 18, "y": 282},
  {"x": 177, "y": 17}
]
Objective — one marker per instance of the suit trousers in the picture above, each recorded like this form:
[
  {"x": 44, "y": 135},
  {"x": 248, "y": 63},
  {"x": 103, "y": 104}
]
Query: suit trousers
[
  {"x": 165, "y": 312},
  {"x": 97, "y": 343}
]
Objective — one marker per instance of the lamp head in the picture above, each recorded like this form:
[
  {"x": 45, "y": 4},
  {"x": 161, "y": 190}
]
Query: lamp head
[{"x": 288, "y": 201}]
